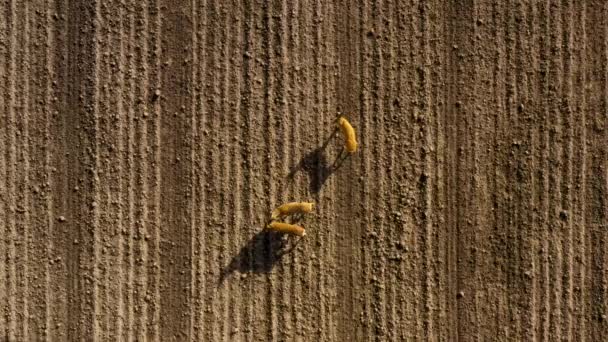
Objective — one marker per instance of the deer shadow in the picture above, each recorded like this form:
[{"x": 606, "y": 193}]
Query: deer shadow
[
  {"x": 317, "y": 165},
  {"x": 261, "y": 253}
]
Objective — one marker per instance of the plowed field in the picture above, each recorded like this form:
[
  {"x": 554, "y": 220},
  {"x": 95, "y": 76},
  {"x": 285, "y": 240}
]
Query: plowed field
[{"x": 143, "y": 145}]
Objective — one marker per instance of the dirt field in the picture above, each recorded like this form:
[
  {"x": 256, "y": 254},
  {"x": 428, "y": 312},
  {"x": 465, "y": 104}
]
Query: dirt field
[{"x": 143, "y": 145}]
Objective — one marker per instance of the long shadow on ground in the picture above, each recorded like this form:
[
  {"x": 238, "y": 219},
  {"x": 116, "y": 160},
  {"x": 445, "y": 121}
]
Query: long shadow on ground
[
  {"x": 316, "y": 164},
  {"x": 260, "y": 254}
]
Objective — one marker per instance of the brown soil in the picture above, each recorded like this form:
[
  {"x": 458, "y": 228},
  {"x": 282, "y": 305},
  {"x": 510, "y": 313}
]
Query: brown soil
[{"x": 143, "y": 145}]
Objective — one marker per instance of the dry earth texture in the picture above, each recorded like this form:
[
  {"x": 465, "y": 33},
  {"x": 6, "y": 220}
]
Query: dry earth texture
[{"x": 143, "y": 145}]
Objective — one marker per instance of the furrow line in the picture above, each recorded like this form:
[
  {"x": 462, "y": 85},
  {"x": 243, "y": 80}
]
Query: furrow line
[
  {"x": 261, "y": 130},
  {"x": 497, "y": 177},
  {"x": 518, "y": 287},
  {"x": 176, "y": 174},
  {"x": 423, "y": 238},
  {"x": 220, "y": 302},
  {"x": 238, "y": 218},
  {"x": 224, "y": 160},
  {"x": 378, "y": 89},
  {"x": 390, "y": 131},
  {"x": 349, "y": 207},
  {"x": 35, "y": 212},
  {"x": 318, "y": 90},
  {"x": 261, "y": 137},
  {"x": 602, "y": 189},
  {"x": 395, "y": 225},
  {"x": 225, "y": 171},
  {"x": 463, "y": 101},
  {"x": 58, "y": 128},
  {"x": 104, "y": 171},
  {"x": 97, "y": 22},
  {"x": 456, "y": 154},
  {"x": 404, "y": 236},
  {"x": 409, "y": 299},
  {"x": 137, "y": 225},
  {"x": 23, "y": 208},
  {"x": 444, "y": 226},
  {"x": 512, "y": 133},
  {"x": 532, "y": 109},
  {"x": 215, "y": 297},
  {"x": 304, "y": 101},
  {"x": 47, "y": 186},
  {"x": 492, "y": 219},
  {"x": 327, "y": 181},
  {"x": 207, "y": 128},
  {"x": 319, "y": 86},
  {"x": 544, "y": 175},
  {"x": 156, "y": 134},
  {"x": 292, "y": 148},
  {"x": 143, "y": 173},
  {"x": 313, "y": 85},
  {"x": 577, "y": 149},
  {"x": 208, "y": 123},
  {"x": 78, "y": 162},
  {"x": 434, "y": 307},
  {"x": 568, "y": 146},
  {"x": 285, "y": 35},
  {"x": 269, "y": 124},
  {"x": 122, "y": 196},
  {"x": 334, "y": 220},
  {"x": 311, "y": 91},
  {"x": 484, "y": 222},
  {"x": 512, "y": 234},
  {"x": 196, "y": 193},
  {"x": 10, "y": 177},
  {"x": 477, "y": 179},
  {"x": 364, "y": 231},
  {"x": 110, "y": 171},
  {"x": 383, "y": 132},
  {"x": 326, "y": 129},
  {"x": 4, "y": 185},
  {"x": 228, "y": 181},
  {"x": 582, "y": 226},
  {"x": 522, "y": 173},
  {"x": 555, "y": 178},
  {"x": 527, "y": 109},
  {"x": 244, "y": 114},
  {"x": 325, "y": 137},
  {"x": 286, "y": 267},
  {"x": 131, "y": 167},
  {"x": 431, "y": 177}
]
